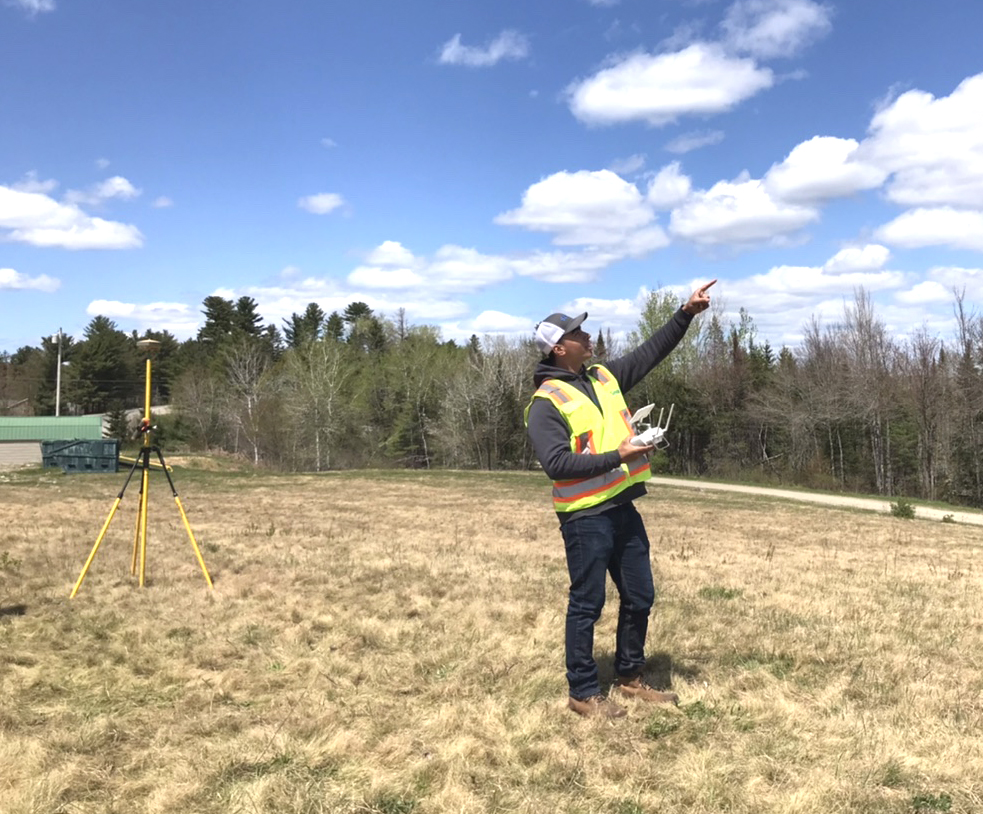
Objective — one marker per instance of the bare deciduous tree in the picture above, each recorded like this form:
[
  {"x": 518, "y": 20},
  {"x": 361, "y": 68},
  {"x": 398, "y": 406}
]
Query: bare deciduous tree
[{"x": 313, "y": 379}]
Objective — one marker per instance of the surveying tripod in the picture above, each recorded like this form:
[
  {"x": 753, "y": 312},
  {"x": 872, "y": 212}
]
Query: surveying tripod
[{"x": 142, "y": 461}]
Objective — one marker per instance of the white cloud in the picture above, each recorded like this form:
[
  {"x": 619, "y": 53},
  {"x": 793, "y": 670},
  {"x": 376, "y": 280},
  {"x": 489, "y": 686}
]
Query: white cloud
[
  {"x": 162, "y": 202},
  {"x": 451, "y": 270},
  {"x": 941, "y": 226},
  {"x": 933, "y": 147},
  {"x": 925, "y": 292},
  {"x": 628, "y": 166},
  {"x": 35, "y": 218},
  {"x": 620, "y": 315},
  {"x": 669, "y": 188},
  {"x": 33, "y": 6},
  {"x": 957, "y": 279},
  {"x": 688, "y": 142},
  {"x": 31, "y": 183},
  {"x": 328, "y": 143},
  {"x": 11, "y": 280},
  {"x": 775, "y": 28},
  {"x": 459, "y": 269},
  {"x": 391, "y": 253},
  {"x": 102, "y": 163},
  {"x": 88, "y": 233},
  {"x": 509, "y": 45},
  {"x": 604, "y": 3},
  {"x": 322, "y": 203},
  {"x": 785, "y": 299},
  {"x": 115, "y": 187},
  {"x": 385, "y": 278},
  {"x": 806, "y": 282},
  {"x": 176, "y": 317},
  {"x": 581, "y": 208},
  {"x": 499, "y": 322},
  {"x": 115, "y": 308},
  {"x": 564, "y": 267},
  {"x": 867, "y": 258},
  {"x": 659, "y": 88},
  {"x": 737, "y": 212},
  {"x": 821, "y": 168}
]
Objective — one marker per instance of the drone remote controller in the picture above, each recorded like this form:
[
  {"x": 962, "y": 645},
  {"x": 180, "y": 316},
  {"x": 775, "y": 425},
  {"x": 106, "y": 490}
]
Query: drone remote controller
[
  {"x": 649, "y": 438},
  {"x": 645, "y": 435}
]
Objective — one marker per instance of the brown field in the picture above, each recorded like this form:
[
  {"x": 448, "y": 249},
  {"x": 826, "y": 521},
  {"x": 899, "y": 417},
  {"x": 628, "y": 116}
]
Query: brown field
[{"x": 392, "y": 643}]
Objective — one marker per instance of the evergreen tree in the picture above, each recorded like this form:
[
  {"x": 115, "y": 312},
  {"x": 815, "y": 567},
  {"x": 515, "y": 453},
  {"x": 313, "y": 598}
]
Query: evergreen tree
[
  {"x": 272, "y": 341},
  {"x": 103, "y": 371},
  {"x": 166, "y": 364},
  {"x": 220, "y": 320},
  {"x": 298, "y": 330},
  {"x": 334, "y": 327},
  {"x": 247, "y": 319},
  {"x": 474, "y": 347},
  {"x": 119, "y": 427},
  {"x": 355, "y": 311},
  {"x": 38, "y": 369},
  {"x": 600, "y": 348},
  {"x": 368, "y": 335}
]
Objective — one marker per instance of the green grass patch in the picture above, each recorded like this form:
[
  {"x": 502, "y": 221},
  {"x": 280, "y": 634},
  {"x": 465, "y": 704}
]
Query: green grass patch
[{"x": 718, "y": 593}]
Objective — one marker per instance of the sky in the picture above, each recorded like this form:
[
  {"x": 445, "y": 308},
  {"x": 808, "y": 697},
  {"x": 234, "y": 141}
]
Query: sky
[{"x": 483, "y": 164}]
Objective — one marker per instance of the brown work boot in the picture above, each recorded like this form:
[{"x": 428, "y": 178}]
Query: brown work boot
[
  {"x": 636, "y": 687},
  {"x": 597, "y": 706}
]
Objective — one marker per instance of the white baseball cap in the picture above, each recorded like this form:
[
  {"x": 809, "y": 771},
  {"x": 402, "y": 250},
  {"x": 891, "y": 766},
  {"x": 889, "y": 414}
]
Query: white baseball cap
[{"x": 551, "y": 330}]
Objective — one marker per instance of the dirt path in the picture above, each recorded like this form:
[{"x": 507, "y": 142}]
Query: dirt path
[{"x": 869, "y": 504}]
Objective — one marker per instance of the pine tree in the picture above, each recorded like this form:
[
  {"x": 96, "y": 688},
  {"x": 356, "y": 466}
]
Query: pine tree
[
  {"x": 300, "y": 329},
  {"x": 355, "y": 311},
  {"x": 600, "y": 349},
  {"x": 247, "y": 318},
  {"x": 334, "y": 327},
  {"x": 104, "y": 369},
  {"x": 166, "y": 364},
  {"x": 220, "y": 320}
]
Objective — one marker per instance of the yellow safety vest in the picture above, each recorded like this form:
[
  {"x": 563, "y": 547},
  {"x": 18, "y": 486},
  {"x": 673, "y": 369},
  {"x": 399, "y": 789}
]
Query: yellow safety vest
[{"x": 593, "y": 431}]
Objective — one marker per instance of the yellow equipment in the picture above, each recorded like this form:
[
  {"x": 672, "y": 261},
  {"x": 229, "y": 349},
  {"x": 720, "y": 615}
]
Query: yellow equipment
[{"x": 149, "y": 347}]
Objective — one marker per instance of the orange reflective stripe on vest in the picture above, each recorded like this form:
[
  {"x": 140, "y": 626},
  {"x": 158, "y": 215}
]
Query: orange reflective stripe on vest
[
  {"x": 568, "y": 491},
  {"x": 553, "y": 392}
]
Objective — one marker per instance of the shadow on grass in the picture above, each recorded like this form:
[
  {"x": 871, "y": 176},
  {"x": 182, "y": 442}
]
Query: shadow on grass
[
  {"x": 659, "y": 670},
  {"x": 13, "y": 610}
]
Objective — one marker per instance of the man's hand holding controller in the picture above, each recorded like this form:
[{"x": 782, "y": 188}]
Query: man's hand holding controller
[
  {"x": 648, "y": 438},
  {"x": 629, "y": 450}
]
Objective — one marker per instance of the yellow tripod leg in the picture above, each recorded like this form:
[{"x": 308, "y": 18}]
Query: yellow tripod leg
[
  {"x": 144, "y": 504},
  {"x": 95, "y": 548},
  {"x": 194, "y": 543},
  {"x": 136, "y": 537}
]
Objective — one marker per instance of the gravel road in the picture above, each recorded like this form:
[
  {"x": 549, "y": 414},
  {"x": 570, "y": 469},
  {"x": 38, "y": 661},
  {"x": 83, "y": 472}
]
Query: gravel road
[{"x": 869, "y": 504}]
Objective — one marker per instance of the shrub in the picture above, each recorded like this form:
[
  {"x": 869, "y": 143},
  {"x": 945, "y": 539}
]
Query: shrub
[
  {"x": 903, "y": 509},
  {"x": 931, "y": 802}
]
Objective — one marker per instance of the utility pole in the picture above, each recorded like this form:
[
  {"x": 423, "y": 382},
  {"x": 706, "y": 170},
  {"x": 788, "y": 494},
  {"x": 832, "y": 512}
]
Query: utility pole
[{"x": 58, "y": 379}]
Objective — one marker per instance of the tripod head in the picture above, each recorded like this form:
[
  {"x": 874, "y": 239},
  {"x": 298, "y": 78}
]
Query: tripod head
[{"x": 145, "y": 427}]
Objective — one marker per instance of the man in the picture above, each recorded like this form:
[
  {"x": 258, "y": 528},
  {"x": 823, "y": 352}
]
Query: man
[{"x": 578, "y": 424}]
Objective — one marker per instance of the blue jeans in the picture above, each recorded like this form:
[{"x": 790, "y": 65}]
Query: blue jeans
[{"x": 613, "y": 542}]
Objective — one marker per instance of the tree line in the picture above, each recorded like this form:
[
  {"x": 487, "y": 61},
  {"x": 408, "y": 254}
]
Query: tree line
[{"x": 851, "y": 408}]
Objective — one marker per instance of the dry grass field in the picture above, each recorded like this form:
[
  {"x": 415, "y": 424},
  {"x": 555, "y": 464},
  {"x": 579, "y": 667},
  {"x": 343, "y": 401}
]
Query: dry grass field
[{"x": 392, "y": 643}]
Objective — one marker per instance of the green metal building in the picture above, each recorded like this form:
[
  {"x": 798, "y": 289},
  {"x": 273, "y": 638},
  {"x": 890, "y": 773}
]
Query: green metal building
[{"x": 21, "y": 436}]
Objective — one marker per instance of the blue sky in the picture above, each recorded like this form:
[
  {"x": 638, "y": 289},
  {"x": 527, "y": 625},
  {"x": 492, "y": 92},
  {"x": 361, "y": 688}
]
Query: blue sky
[{"x": 482, "y": 164}]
